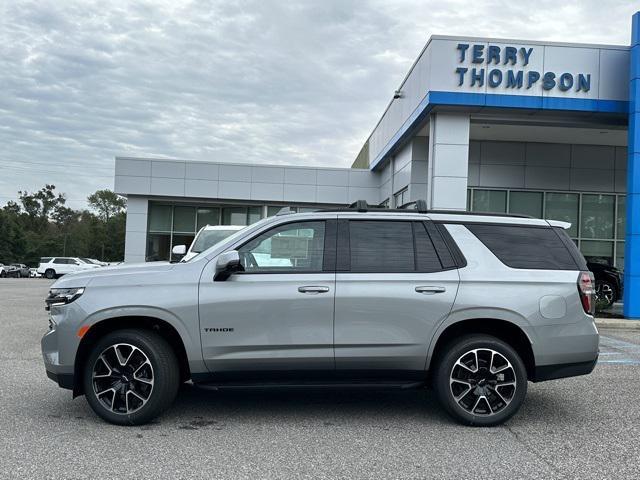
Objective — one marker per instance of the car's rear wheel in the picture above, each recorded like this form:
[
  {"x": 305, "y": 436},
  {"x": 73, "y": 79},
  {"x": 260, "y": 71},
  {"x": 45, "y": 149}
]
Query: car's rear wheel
[
  {"x": 50, "y": 273},
  {"x": 131, "y": 377},
  {"x": 480, "y": 380}
]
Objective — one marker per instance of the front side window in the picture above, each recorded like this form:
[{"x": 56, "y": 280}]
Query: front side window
[{"x": 294, "y": 247}]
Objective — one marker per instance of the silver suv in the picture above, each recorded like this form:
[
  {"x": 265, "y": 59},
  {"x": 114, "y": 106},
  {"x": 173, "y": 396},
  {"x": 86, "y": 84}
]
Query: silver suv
[{"x": 472, "y": 305}]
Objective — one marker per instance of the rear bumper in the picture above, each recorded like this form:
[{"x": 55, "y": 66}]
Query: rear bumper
[{"x": 563, "y": 370}]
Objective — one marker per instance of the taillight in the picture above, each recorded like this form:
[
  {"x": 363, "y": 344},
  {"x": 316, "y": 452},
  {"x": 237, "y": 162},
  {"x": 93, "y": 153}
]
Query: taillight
[{"x": 587, "y": 291}]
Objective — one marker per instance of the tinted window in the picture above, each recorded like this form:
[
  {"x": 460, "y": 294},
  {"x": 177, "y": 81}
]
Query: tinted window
[
  {"x": 525, "y": 247},
  {"x": 426, "y": 256},
  {"x": 295, "y": 247},
  {"x": 62, "y": 261},
  {"x": 45, "y": 259},
  {"x": 381, "y": 246}
]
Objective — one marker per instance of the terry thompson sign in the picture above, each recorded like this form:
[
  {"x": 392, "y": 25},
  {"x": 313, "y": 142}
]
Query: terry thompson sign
[{"x": 495, "y": 66}]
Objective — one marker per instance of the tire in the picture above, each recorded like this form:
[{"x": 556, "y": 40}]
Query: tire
[
  {"x": 50, "y": 274},
  {"x": 474, "y": 402},
  {"x": 3, "y": 274},
  {"x": 606, "y": 291},
  {"x": 150, "y": 377}
]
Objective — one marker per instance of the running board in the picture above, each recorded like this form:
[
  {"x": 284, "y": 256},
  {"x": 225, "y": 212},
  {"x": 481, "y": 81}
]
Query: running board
[{"x": 310, "y": 385}]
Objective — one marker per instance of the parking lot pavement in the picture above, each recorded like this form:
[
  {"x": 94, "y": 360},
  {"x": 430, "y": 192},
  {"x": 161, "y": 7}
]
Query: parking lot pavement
[{"x": 585, "y": 427}]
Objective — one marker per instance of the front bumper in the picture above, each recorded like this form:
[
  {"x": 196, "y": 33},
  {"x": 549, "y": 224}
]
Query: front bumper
[{"x": 64, "y": 380}]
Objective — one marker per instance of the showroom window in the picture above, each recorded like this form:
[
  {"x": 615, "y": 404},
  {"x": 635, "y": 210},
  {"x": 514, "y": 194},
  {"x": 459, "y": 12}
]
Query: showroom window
[
  {"x": 597, "y": 220},
  {"x": 171, "y": 225},
  {"x": 401, "y": 197}
]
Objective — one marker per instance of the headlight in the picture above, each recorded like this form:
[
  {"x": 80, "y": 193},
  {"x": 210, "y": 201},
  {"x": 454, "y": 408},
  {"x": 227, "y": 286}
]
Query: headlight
[{"x": 62, "y": 296}]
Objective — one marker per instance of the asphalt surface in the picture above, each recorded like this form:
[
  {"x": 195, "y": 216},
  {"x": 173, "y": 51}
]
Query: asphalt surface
[{"x": 585, "y": 427}]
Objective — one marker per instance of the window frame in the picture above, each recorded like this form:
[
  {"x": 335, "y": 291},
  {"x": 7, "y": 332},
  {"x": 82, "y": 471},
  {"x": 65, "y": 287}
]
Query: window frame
[{"x": 328, "y": 254}]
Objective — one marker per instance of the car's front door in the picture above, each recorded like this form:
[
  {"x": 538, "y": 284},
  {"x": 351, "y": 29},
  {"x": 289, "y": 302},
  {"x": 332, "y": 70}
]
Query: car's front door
[
  {"x": 277, "y": 314},
  {"x": 392, "y": 290}
]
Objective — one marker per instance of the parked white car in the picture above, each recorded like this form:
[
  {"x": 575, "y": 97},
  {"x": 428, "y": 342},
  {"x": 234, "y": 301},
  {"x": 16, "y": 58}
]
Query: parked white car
[
  {"x": 209, "y": 235},
  {"x": 54, "y": 267},
  {"x": 206, "y": 237},
  {"x": 5, "y": 270}
]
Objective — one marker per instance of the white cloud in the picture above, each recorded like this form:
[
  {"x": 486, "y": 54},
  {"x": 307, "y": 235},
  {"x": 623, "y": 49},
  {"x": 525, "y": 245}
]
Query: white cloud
[{"x": 260, "y": 81}]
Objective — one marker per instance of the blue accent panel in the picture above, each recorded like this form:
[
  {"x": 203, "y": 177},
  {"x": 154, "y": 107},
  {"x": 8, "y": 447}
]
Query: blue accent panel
[
  {"x": 633, "y": 221},
  {"x": 633, "y": 137},
  {"x": 509, "y": 101},
  {"x": 634, "y": 93},
  {"x": 631, "y": 308},
  {"x": 634, "y": 68}
]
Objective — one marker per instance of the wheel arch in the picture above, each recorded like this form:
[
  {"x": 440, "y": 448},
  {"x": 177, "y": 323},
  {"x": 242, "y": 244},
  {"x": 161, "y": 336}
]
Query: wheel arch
[
  {"x": 103, "y": 327},
  {"x": 505, "y": 330}
]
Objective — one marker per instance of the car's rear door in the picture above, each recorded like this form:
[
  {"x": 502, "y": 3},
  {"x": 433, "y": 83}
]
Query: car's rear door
[{"x": 395, "y": 281}]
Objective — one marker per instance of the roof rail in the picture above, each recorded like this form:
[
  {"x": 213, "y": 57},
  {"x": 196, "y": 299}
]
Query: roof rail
[{"x": 420, "y": 206}]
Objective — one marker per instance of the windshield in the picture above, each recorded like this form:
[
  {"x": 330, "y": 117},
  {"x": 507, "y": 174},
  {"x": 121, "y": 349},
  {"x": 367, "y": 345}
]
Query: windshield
[
  {"x": 87, "y": 260},
  {"x": 208, "y": 238}
]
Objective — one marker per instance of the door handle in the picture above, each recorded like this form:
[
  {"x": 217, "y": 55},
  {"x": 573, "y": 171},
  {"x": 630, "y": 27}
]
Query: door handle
[
  {"x": 430, "y": 290},
  {"x": 312, "y": 290}
]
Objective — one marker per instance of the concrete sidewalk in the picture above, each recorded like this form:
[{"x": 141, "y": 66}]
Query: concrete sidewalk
[{"x": 620, "y": 323}]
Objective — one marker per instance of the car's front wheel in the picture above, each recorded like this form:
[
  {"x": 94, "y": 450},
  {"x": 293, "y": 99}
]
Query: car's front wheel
[
  {"x": 480, "y": 380},
  {"x": 131, "y": 377}
]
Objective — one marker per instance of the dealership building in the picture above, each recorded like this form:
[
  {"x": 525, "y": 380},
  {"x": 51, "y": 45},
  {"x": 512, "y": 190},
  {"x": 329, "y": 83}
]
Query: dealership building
[{"x": 545, "y": 129}]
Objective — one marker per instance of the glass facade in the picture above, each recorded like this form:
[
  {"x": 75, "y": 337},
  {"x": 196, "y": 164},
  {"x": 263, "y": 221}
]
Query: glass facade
[
  {"x": 597, "y": 220},
  {"x": 177, "y": 224}
]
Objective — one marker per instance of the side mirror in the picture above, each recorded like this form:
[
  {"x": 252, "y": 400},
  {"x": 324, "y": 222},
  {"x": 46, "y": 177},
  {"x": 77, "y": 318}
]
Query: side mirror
[
  {"x": 179, "y": 250},
  {"x": 227, "y": 263}
]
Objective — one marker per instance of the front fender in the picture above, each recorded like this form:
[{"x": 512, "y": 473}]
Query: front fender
[{"x": 190, "y": 341}]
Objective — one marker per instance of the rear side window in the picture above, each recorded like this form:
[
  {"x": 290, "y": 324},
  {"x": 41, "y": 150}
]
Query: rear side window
[
  {"x": 519, "y": 246},
  {"x": 380, "y": 246},
  {"x": 386, "y": 246}
]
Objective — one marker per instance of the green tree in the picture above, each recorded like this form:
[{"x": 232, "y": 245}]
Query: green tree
[
  {"x": 107, "y": 203},
  {"x": 41, "y": 225}
]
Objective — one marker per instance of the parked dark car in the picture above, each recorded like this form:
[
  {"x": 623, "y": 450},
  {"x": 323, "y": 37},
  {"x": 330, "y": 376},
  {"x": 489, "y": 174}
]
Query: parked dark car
[
  {"x": 608, "y": 282},
  {"x": 21, "y": 270}
]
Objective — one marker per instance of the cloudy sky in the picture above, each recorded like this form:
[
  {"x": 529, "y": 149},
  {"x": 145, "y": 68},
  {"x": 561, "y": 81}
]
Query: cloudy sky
[{"x": 287, "y": 82}]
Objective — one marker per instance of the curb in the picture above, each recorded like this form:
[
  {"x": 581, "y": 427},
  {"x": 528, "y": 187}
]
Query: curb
[{"x": 619, "y": 323}]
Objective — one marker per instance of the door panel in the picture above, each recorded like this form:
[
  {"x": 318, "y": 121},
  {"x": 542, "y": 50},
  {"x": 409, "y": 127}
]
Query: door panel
[
  {"x": 382, "y": 322},
  {"x": 278, "y": 313},
  {"x": 274, "y": 325}
]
